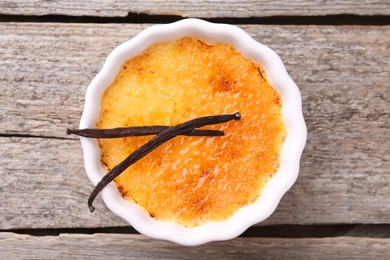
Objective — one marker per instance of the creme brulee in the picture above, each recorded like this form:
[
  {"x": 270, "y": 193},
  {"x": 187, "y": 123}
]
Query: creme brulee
[{"x": 192, "y": 180}]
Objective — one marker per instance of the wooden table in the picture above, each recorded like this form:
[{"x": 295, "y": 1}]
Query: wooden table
[{"x": 340, "y": 205}]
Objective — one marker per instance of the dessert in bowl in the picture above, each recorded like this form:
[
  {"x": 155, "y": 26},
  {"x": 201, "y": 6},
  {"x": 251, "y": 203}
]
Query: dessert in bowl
[{"x": 195, "y": 189}]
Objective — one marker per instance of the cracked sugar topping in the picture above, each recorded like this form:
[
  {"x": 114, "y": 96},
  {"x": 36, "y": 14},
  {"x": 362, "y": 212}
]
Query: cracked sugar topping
[{"x": 192, "y": 180}]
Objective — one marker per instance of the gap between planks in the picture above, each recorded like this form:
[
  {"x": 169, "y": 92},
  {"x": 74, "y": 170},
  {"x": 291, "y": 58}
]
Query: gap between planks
[
  {"x": 276, "y": 231},
  {"x": 136, "y": 18},
  {"x": 124, "y": 246},
  {"x": 191, "y": 8}
]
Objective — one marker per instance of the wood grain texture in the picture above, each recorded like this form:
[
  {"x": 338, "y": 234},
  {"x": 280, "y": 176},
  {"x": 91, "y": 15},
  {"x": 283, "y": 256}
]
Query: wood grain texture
[
  {"x": 123, "y": 246},
  {"x": 44, "y": 185},
  {"x": 193, "y": 8},
  {"x": 343, "y": 73},
  {"x": 46, "y": 69}
]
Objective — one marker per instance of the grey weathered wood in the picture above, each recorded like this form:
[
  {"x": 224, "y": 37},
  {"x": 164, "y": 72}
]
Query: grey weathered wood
[
  {"x": 193, "y": 8},
  {"x": 45, "y": 70},
  {"x": 125, "y": 246},
  {"x": 47, "y": 67},
  {"x": 342, "y": 72},
  {"x": 43, "y": 185}
]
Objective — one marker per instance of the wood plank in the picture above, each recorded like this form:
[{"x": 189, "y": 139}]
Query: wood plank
[
  {"x": 191, "y": 8},
  {"x": 341, "y": 71},
  {"x": 43, "y": 185},
  {"x": 124, "y": 246},
  {"x": 46, "y": 69}
]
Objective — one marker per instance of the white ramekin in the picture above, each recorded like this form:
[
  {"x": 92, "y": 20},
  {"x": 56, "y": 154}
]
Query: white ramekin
[{"x": 290, "y": 154}]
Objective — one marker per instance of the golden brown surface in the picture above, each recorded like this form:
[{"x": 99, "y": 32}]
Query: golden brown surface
[{"x": 193, "y": 180}]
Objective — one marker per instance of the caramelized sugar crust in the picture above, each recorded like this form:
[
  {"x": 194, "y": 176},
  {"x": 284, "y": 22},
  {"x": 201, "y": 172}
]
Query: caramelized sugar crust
[{"x": 194, "y": 180}]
